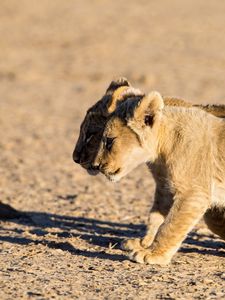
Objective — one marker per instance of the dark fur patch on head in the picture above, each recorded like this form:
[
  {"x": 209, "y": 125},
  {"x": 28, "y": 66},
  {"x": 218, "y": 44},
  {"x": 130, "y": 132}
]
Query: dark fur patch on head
[
  {"x": 127, "y": 108},
  {"x": 101, "y": 107}
]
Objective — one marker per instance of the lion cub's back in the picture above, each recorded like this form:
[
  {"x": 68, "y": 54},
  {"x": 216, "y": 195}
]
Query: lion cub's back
[{"x": 217, "y": 110}]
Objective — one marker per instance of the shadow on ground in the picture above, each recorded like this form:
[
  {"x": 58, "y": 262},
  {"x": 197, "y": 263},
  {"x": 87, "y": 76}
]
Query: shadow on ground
[{"x": 95, "y": 232}]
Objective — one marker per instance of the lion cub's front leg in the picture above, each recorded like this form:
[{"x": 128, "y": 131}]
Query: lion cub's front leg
[
  {"x": 155, "y": 220},
  {"x": 160, "y": 209},
  {"x": 184, "y": 214}
]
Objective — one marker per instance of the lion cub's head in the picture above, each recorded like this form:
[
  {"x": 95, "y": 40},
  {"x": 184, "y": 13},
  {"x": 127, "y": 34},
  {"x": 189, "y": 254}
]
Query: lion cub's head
[
  {"x": 92, "y": 127},
  {"x": 130, "y": 136}
]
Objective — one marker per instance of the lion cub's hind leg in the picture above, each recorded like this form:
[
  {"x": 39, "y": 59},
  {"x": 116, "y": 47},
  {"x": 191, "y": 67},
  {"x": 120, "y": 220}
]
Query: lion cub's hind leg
[{"x": 215, "y": 220}]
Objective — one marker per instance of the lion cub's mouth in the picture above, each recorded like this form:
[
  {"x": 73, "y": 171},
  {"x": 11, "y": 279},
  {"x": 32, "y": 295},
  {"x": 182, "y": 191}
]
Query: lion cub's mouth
[
  {"x": 113, "y": 176},
  {"x": 92, "y": 171}
]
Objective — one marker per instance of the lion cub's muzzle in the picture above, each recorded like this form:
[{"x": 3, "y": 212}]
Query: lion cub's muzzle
[
  {"x": 110, "y": 174},
  {"x": 76, "y": 157},
  {"x": 91, "y": 169}
]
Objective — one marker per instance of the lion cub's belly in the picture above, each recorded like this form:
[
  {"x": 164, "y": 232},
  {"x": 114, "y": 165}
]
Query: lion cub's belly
[{"x": 218, "y": 195}]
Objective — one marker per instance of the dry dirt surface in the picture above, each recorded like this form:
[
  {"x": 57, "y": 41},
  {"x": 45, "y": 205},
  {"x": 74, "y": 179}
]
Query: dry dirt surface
[{"x": 56, "y": 59}]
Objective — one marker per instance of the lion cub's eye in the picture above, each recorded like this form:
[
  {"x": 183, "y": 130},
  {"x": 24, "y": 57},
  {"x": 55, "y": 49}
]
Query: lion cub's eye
[{"x": 109, "y": 143}]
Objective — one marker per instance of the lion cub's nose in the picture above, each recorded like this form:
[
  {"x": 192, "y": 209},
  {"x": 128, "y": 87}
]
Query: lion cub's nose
[{"x": 76, "y": 157}]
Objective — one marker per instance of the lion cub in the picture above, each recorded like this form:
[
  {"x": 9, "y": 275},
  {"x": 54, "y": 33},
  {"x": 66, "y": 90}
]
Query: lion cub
[
  {"x": 89, "y": 141},
  {"x": 184, "y": 149}
]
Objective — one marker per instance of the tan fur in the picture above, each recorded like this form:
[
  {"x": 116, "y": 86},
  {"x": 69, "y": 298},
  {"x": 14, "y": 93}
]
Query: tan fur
[
  {"x": 87, "y": 148},
  {"x": 184, "y": 148}
]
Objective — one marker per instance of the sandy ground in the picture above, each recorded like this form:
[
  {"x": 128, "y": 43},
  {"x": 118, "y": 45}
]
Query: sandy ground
[{"x": 56, "y": 59}]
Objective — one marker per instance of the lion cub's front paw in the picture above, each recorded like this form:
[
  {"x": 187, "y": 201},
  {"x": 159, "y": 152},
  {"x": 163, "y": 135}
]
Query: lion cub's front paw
[
  {"x": 145, "y": 256},
  {"x": 135, "y": 244},
  {"x": 131, "y": 244}
]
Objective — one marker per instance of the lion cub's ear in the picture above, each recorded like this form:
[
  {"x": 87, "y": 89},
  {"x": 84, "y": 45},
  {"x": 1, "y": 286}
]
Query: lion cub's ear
[
  {"x": 115, "y": 89},
  {"x": 148, "y": 108},
  {"x": 115, "y": 84},
  {"x": 121, "y": 94},
  {"x": 115, "y": 98},
  {"x": 118, "y": 91}
]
